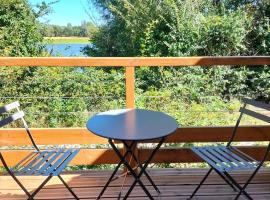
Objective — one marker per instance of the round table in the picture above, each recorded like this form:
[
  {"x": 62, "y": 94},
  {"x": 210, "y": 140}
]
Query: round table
[{"x": 131, "y": 126}]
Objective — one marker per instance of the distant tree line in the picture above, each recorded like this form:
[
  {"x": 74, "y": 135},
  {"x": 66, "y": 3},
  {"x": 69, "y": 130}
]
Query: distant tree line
[{"x": 84, "y": 30}]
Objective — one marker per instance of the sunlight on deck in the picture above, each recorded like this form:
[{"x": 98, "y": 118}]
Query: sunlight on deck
[{"x": 173, "y": 183}]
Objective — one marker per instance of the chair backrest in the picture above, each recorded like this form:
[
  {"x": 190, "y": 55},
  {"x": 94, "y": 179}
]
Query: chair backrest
[
  {"x": 10, "y": 113},
  {"x": 252, "y": 113},
  {"x": 244, "y": 110}
]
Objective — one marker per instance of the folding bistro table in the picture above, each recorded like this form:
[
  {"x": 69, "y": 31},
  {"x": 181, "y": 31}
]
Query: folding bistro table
[{"x": 131, "y": 126}]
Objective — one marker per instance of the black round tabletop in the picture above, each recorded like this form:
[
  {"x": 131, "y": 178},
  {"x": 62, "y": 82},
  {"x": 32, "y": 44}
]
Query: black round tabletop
[{"x": 132, "y": 124}]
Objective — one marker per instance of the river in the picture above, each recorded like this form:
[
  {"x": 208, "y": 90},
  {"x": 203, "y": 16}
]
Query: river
[{"x": 66, "y": 50}]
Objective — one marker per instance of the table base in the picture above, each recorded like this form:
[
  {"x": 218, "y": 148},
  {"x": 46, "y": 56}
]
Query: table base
[{"x": 136, "y": 176}]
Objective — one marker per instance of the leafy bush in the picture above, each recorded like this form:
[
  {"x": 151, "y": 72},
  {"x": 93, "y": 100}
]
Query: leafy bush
[
  {"x": 19, "y": 35},
  {"x": 62, "y": 97},
  {"x": 190, "y": 28}
]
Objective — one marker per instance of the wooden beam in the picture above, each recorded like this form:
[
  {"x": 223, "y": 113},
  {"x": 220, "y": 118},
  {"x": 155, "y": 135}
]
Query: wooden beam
[
  {"x": 220, "y": 134},
  {"x": 133, "y": 61},
  {"x": 56, "y": 136},
  {"x": 108, "y": 156},
  {"x": 47, "y": 136},
  {"x": 130, "y": 87},
  {"x": 85, "y": 157},
  {"x": 185, "y": 155},
  {"x": 130, "y": 103}
]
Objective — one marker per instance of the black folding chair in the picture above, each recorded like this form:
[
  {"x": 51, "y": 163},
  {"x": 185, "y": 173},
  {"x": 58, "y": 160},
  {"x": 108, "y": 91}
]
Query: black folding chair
[
  {"x": 46, "y": 163},
  {"x": 224, "y": 159}
]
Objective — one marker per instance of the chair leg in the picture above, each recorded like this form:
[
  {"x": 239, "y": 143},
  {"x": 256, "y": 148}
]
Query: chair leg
[
  {"x": 39, "y": 188},
  {"x": 248, "y": 181},
  {"x": 239, "y": 187},
  {"x": 229, "y": 182},
  {"x": 20, "y": 184},
  {"x": 13, "y": 176},
  {"x": 69, "y": 189},
  {"x": 202, "y": 181}
]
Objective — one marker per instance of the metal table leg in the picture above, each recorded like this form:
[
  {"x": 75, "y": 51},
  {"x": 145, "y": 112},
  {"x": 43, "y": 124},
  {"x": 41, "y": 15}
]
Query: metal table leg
[
  {"x": 133, "y": 173},
  {"x": 115, "y": 170},
  {"x": 131, "y": 170},
  {"x": 140, "y": 165},
  {"x": 137, "y": 177}
]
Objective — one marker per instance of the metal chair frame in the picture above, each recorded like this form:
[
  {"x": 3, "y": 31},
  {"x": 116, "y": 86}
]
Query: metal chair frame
[
  {"x": 246, "y": 162},
  {"x": 47, "y": 163}
]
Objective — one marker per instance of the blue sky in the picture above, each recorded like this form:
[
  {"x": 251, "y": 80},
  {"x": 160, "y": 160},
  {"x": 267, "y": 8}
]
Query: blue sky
[{"x": 69, "y": 11}]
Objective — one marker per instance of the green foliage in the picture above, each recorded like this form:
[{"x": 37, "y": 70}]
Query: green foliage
[
  {"x": 120, "y": 36},
  {"x": 43, "y": 8},
  {"x": 181, "y": 28},
  {"x": 62, "y": 97},
  {"x": 189, "y": 28},
  {"x": 19, "y": 34},
  {"x": 224, "y": 35}
]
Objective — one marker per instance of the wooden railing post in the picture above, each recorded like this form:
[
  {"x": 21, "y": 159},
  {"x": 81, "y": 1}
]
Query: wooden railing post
[
  {"x": 130, "y": 87},
  {"x": 130, "y": 102}
]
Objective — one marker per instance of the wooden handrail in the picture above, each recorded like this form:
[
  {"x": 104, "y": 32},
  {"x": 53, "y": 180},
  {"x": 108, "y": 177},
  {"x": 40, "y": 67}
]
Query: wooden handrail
[{"x": 133, "y": 61}]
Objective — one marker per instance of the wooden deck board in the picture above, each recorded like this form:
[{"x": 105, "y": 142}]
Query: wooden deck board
[{"x": 173, "y": 183}]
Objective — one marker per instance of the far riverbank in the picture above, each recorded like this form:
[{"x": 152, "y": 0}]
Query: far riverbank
[{"x": 67, "y": 40}]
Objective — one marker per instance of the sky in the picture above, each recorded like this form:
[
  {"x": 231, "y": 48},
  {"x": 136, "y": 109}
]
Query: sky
[{"x": 69, "y": 11}]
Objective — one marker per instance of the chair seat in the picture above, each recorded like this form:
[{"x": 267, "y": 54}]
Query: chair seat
[
  {"x": 45, "y": 163},
  {"x": 225, "y": 159}
]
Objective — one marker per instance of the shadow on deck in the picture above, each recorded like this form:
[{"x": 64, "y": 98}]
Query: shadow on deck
[{"x": 173, "y": 183}]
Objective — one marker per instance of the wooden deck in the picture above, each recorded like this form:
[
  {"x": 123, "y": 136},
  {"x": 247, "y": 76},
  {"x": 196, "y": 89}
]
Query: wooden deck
[{"x": 173, "y": 183}]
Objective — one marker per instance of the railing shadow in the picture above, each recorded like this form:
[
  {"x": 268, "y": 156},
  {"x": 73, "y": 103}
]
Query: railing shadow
[
  {"x": 84, "y": 187},
  {"x": 173, "y": 184}
]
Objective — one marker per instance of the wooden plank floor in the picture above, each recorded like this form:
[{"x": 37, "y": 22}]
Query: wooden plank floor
[{"x": 174, "y": 184}]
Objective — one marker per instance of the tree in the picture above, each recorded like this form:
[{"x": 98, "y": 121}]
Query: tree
[
  {"x": 126, "y": 23},
  {"x": 19, "y": 35},
  {"x": 170, "y": 28},
  {"x": 189, "y": 28}
]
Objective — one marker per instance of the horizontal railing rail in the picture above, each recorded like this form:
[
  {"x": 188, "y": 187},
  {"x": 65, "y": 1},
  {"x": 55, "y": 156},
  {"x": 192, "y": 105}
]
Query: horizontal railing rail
[
  {"x": 81, "y": 136},
  {"x": 133, "y": 61},
  {"x": 55, "y": 136}
]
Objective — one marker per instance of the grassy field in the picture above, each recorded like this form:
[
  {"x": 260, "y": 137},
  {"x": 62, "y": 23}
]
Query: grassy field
[{"x": 66, "y": 40}]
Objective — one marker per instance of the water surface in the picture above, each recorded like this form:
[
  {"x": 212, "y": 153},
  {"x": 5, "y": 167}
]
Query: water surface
[{"x": 66, "y": 50}]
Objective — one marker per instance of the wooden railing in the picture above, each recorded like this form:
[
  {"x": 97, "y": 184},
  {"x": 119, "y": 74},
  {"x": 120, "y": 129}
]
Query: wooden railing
[{"x": 107, "y": 156}]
